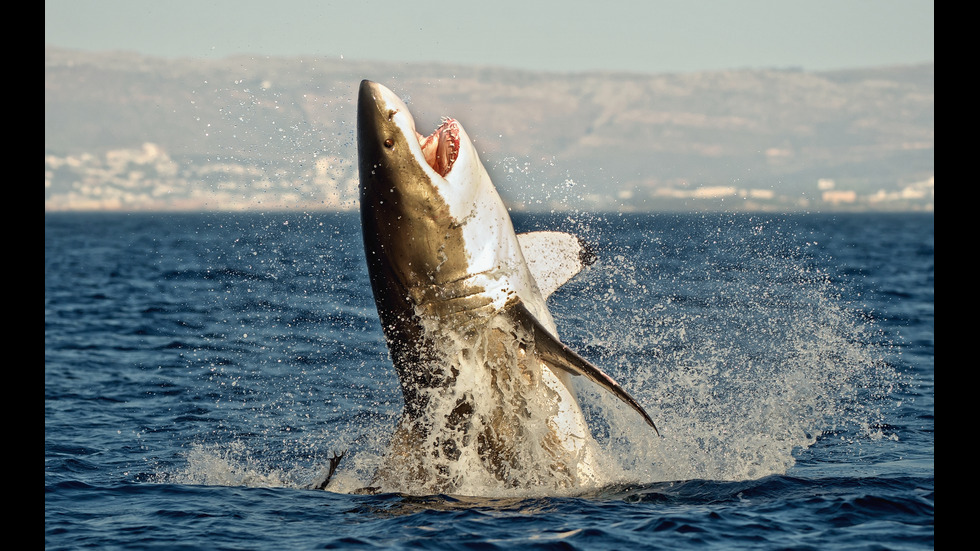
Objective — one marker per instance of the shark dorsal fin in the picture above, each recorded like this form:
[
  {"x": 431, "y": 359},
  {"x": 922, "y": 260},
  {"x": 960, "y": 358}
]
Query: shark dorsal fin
[{"x": 553, "y": 258}]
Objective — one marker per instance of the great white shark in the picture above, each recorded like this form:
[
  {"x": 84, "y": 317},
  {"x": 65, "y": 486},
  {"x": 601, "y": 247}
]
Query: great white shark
[{"x": 486, "y": 382}]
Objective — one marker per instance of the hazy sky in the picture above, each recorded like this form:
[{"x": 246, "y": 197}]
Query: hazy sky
[{"x": 569, "y": 35}]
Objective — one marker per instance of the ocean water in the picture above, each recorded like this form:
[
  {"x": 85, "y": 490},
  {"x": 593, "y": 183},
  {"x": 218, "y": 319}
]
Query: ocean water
[{"x": 200, "y": 370}]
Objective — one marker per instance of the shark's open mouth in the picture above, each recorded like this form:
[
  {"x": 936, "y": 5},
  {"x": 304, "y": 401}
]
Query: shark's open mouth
[{"x": 442, "y": 146}]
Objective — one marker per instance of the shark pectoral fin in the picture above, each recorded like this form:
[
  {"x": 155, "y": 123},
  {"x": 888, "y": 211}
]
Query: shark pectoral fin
[
  {"x": 554, "y": 257},
  {"x": 552, "y": 352}
]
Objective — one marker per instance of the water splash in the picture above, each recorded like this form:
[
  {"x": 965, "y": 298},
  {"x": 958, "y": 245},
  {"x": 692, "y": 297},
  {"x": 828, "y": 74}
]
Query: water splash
[{"x": 741, "y": 350}]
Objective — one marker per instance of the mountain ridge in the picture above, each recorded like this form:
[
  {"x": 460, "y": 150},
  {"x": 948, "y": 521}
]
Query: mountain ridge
[{"x": 614, "y": 137}]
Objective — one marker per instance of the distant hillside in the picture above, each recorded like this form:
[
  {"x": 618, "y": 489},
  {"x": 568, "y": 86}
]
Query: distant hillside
[{"x": 610, "y": 136}]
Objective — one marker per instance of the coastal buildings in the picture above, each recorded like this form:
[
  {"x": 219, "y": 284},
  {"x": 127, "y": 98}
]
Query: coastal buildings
[{"x": 149, "y": 179}]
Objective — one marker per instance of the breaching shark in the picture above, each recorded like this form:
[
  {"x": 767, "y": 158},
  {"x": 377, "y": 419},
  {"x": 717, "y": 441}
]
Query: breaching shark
[{"x": 462, "y": 303}]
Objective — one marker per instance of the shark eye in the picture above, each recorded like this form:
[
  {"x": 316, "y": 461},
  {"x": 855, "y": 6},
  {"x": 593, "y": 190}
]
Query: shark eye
[{"x": 389, "y": 143}]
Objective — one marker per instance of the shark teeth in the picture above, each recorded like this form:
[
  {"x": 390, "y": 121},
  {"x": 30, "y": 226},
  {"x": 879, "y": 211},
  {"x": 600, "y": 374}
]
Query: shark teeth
[{"x": 442, "y": 146}]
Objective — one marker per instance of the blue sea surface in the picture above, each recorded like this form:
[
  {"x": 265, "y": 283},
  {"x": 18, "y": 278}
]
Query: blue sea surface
[{"x": 200, "y": 370}]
